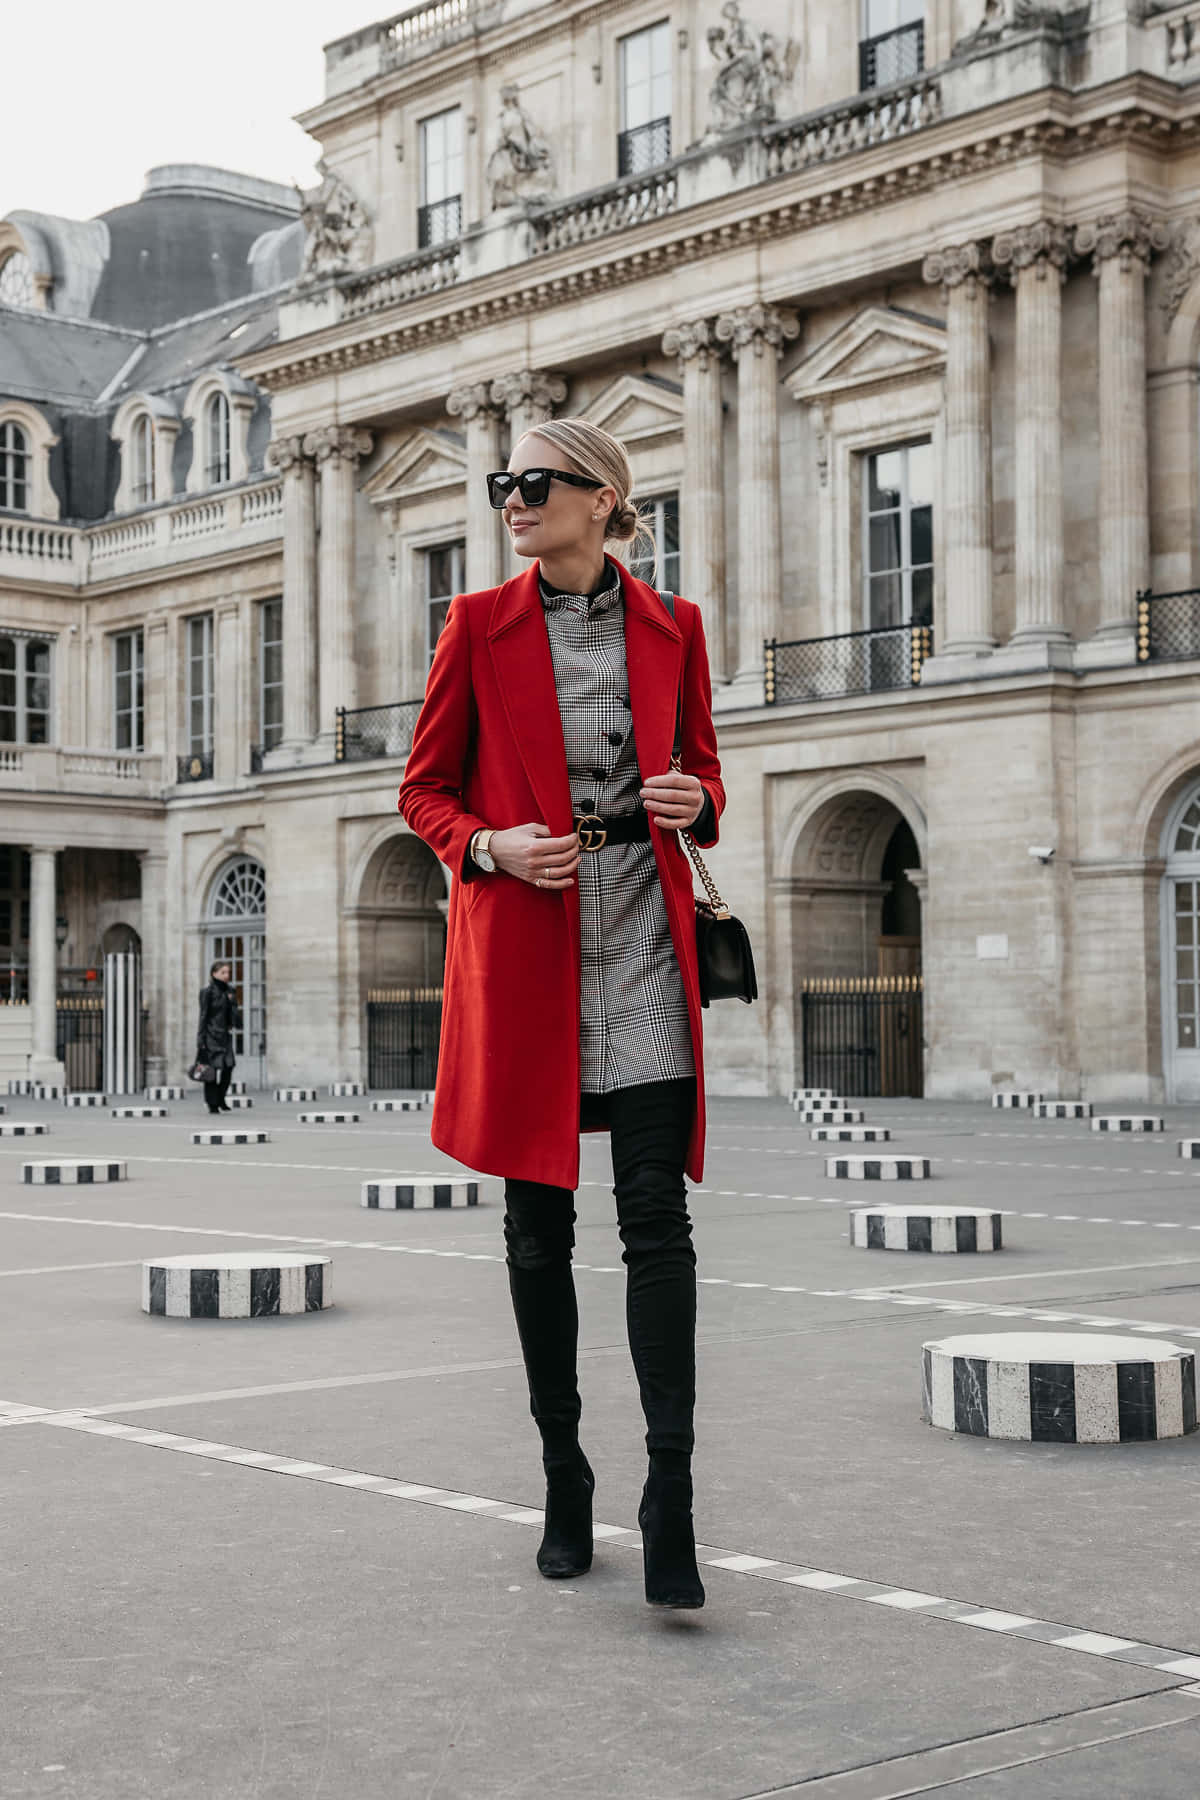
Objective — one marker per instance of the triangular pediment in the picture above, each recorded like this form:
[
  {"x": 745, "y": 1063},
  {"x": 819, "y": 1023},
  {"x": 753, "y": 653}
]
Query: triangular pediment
[
  {"x": 877, "y": 346},
  {"x": 426, "y": 462},
  {"x": 637, "y": 409}
]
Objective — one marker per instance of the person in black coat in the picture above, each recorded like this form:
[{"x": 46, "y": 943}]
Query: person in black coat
[{"x": 220, "y": 1017}]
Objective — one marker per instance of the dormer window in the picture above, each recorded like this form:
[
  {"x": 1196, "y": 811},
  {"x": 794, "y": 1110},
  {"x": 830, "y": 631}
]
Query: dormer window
[
  {"x": 216, "y": 439},
  {"x": 141, "y": 447},
  {"x": 14, "y": 469},
  {"x": 16, "y": 281}
]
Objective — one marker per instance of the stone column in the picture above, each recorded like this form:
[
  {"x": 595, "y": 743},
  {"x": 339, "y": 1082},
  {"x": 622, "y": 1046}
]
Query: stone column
[
  {"x": 299, "y": 592},
  {"x": 43, "y": 962},
  {"x": 154, "y": 902},
  {"x": 527, "y": 396},
  {"x": 337, "y": 449},
  {"x": 1036, "y": 255},
  {"x": 485, "y": 548},
  {"x": 1121, "y": 248},
  {"x": 966, "y": 519},
  {"x": 702, "y": 501},
  {"x": 756, "y": 336}
]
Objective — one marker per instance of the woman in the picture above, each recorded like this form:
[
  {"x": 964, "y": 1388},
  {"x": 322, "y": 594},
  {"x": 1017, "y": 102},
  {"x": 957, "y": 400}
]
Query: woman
[
  {"x": 541, "y": 774},
  {"x": 220, "y": 1017}
]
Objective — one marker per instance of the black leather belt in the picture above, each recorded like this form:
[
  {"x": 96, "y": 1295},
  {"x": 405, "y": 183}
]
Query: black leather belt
[{"x": 594, "y": 832}]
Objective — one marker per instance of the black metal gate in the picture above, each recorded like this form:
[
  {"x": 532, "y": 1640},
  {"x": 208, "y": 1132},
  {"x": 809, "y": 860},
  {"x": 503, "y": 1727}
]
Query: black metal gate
[
  {"x": 79, "y": 1044},
  {"x": 865, "y": 1037},
  {"x": 403, "y": 1028}
]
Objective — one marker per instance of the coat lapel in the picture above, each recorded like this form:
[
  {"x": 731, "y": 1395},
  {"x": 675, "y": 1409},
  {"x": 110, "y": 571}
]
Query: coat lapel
[
  {"x": 654, "y": 657},
  {"x": 520, "y": 651}
]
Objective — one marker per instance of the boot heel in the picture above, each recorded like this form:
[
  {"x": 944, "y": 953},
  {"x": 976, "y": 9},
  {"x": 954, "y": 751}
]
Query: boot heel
[
  {"x": 566, "y": 1546},
  {"x": 669, "y": 1546}
]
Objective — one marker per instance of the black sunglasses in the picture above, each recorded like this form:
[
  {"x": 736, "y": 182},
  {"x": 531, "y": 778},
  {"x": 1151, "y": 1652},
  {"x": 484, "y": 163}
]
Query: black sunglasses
[{"x": 533, "y": 483}]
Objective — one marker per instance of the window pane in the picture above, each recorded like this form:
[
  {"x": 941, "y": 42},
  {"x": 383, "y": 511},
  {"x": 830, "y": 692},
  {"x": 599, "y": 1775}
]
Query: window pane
[
  {"x": 437, "y": 621},
  {"x": 884, "y": 480},
  {"x": 922, "y": 597},
  {"x": 884, "y": 543},
  {"x": 441, "y": 156},
  {"x": 920, "y": 474},
  {"x": 921, "y": 530},
  {"x": 645, "y": 76},
  {"x": 886, "y": 601},
  {"x": 440, "y": 571}
]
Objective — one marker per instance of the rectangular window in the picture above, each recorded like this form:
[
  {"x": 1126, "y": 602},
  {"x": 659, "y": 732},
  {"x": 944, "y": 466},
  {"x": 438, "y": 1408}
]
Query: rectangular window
[
  {"x": 129, "y": 730},
  {"x": 25, "y": 692},
  {"x": 439, "y": 219},
  {"x": 645, "y": 140},
  {"x": 898, "y": 537},
  {"x": 445, "y": 576},
  {"x": 200, "y": 684},
  {"x": 270, "y": 672},
  {"x": 660, "y": 515},
  {"x": 892, "y": 44}
]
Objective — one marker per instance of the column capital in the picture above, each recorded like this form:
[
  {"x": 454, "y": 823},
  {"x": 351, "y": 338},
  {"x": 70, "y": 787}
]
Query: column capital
[
  {"x": 338, "y": 443},
  {"x": 693, "y": 341},
  {"x": 1042, "y": 246},
  {"x": 45, "y": 849},
  {"x": 756, "y": 328},
  {"x": 968, "y": 266},
  {"x": 287, "y": 454},
  {"x": 529, "y": 388},
  {"x": 472, "y": 401},
  {"x": 1131, "y": 236}
]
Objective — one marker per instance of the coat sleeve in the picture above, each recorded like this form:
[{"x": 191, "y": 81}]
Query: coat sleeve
[
  {"x": 431, "y": 794},
  {"x": 202, "y": 1027},
  {"x": 698, "y": 741}
]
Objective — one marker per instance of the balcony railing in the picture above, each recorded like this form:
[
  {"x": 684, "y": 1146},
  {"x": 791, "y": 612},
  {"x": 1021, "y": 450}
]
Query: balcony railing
[
  {"x": 439, "y": 223},
  {"x": 892, "y": 56},
  {"x": 644, "y": 147},
  {"x": 421, "y": 27},
  {"x": 406, "y": 279},
  {"x": 51, "y": 768},
  {"x": 197, "y": 767},
  {"x": 1168, "y": 626},
  {"x": 366, "y": 733},
  {"x": 855, "y": 662},
  {"x": 614, "y": 208},
  {"x": 836, "y": 131}
]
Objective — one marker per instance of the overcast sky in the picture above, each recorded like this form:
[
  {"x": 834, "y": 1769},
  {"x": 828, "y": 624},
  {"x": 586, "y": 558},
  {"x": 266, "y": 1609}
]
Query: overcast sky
[{"x": 96, "y": 94}]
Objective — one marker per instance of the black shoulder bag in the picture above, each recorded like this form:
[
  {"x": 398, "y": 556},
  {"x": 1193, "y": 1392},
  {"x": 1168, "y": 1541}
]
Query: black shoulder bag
[{"x": 723, "y": 954}]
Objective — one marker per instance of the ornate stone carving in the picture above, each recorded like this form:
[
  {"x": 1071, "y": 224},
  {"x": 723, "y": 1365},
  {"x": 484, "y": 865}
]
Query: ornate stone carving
[
  {"x": 756, "y": 328},
  {"x": 1042, "y": 246},
  {"x": 1182, "y": 269},
  {"x": 519, "y": 168},
  {"x": 287, "y": 454},
  {"x": 963, "y": 265},
  {"x": 692, "y": 341},
  {"x": 337, "y": 231},
  {"x": 334, "y": 443},
  {"x": 468, "y": 402},
  {"x": 1000, "y": 16},
  {"x": 531, "y": 389},
  {"x": 1128, "y": 235},
  {"x": 754, "y": 66}
]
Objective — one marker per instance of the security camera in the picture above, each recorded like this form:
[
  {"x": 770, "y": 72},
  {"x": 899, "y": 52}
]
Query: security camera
[{"x": 1042, "y": 852}]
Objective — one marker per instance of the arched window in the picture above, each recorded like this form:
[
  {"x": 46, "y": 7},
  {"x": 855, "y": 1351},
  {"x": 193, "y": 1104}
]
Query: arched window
[
  {"x": 241, "y": 891},
  {"x": 237, "y": 934},
  {"x": 216, "y": 439},
  {"x": 16, "y": 281},
  {"x": 14, "y": 467},
  {"x": 142, "y": 449},
  {"x": 1181, "y": 951}
]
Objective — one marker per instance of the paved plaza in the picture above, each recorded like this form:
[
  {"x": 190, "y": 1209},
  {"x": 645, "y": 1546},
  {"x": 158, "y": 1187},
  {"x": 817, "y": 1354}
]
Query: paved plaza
[{"x": 294, "y": 1555}]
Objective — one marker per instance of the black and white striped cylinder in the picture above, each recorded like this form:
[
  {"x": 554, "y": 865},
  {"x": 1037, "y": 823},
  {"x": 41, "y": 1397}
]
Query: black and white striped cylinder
[
  {"x": 122, "y": 1022},
  {"x": 20, "y": 1087},
  {"x": 231, "y": 1137},
  {"x": 404, "y": 1194},
  {"x": 166, "y": 1093},
  {"x": 831, "y": 1115},
  {"x": 1063, "y": 1109},
  {"x": 73, "y": 1172},
  {"x": 48, "y": 1090},
  {"x": 879, "y": 1168},
  {"x": 1128, "y": 1123},
  {"x": 386, "y": 1106},
  {"x": 294, "y": 1096},
  {"x": 237, "y": 1284},
  {"x": 811, "y": 1093},
  {"x": 1189, "y": 1149},
  {"x": 817, "y": 1103},
  {"x": 23, "y": 1128},
  {"x": 1059, "y": 1387},
  {"x": 139, "y": 1112},
  {"x": 236, "y": 1087},
  {"x": 850, "y": 1134},
  {"x": 3, "y": 1110},
  {"x": 328, "y": 1118},
  {"x": 238, "y": 1102},
  {"x": 936, "y": 1229},
  {"x": 1016, "y": 1099},
  {"x": 346, "y": 1090},
  {"x": 86, "y": 1099}
]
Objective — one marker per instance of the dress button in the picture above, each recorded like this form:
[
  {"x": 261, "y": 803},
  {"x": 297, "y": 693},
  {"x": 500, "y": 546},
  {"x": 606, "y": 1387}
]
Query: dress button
[
  {"x": 599, "y": 774},
  {"x": 615, "y": 739}
]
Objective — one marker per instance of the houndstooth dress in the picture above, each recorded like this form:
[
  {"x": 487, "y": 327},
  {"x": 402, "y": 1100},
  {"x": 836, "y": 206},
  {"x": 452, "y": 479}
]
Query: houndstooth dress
[{"x": 633, "y": 1015}]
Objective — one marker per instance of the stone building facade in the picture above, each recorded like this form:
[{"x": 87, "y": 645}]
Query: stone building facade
[{"x": 897, "y": 307}]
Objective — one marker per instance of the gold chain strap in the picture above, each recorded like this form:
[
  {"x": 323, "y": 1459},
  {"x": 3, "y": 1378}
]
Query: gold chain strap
[{"x": 710, "y": 887}]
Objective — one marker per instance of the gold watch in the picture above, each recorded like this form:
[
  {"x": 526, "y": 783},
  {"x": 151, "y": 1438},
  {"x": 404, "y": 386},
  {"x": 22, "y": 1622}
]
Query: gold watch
[{"x": 480, "y": 854}]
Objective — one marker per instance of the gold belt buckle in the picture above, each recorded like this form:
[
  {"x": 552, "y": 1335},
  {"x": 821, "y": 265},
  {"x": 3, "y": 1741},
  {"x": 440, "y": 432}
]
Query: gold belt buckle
[{"x": 591, "y": 832}]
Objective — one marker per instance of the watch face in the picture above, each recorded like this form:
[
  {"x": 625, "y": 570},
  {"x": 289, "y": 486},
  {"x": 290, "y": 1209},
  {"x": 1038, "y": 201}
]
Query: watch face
[{"x": 486, "y": 861}]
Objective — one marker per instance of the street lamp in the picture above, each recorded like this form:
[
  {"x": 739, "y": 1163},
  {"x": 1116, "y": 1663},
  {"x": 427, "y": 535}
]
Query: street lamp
[{"x": 61, "y": 928}]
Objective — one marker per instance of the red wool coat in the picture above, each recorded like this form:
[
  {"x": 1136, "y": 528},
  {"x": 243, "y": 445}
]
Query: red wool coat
[{"x": 488, "y": 751}]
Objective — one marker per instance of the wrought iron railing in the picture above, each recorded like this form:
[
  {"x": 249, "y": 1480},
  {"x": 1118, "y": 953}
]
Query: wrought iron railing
[
  {"x": 892, "y": 56},
  {"x": 1168, "y": 625},
  {"x": 643, "y": 147},
  {"x": 365, "y": 733},
  {"x": 439, "y": 223},
  {"x": 856, "y": 662},
  {"x": 197, "y": 767}
]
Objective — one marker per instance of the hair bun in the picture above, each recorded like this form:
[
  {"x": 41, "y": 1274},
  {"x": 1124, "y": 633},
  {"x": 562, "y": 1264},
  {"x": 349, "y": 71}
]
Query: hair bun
[{"x": 623, "y": 523}]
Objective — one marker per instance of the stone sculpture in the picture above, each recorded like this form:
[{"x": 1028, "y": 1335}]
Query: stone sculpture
[
  {"x": 337, "y": 232},
  {"x": 519, "y": 168},
  {"x": 754, "y": 66}
]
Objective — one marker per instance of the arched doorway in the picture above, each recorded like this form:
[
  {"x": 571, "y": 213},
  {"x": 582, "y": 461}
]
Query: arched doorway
[
  {"x": 857, "y": 945},
  {"x": 1181, "y": 949},
  {"x": 401, "y": 912},
  {"x": 236, "y": 933}
]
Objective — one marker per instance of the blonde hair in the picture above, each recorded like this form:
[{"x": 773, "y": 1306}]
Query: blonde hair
[{"x": 595, "y": 453}]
